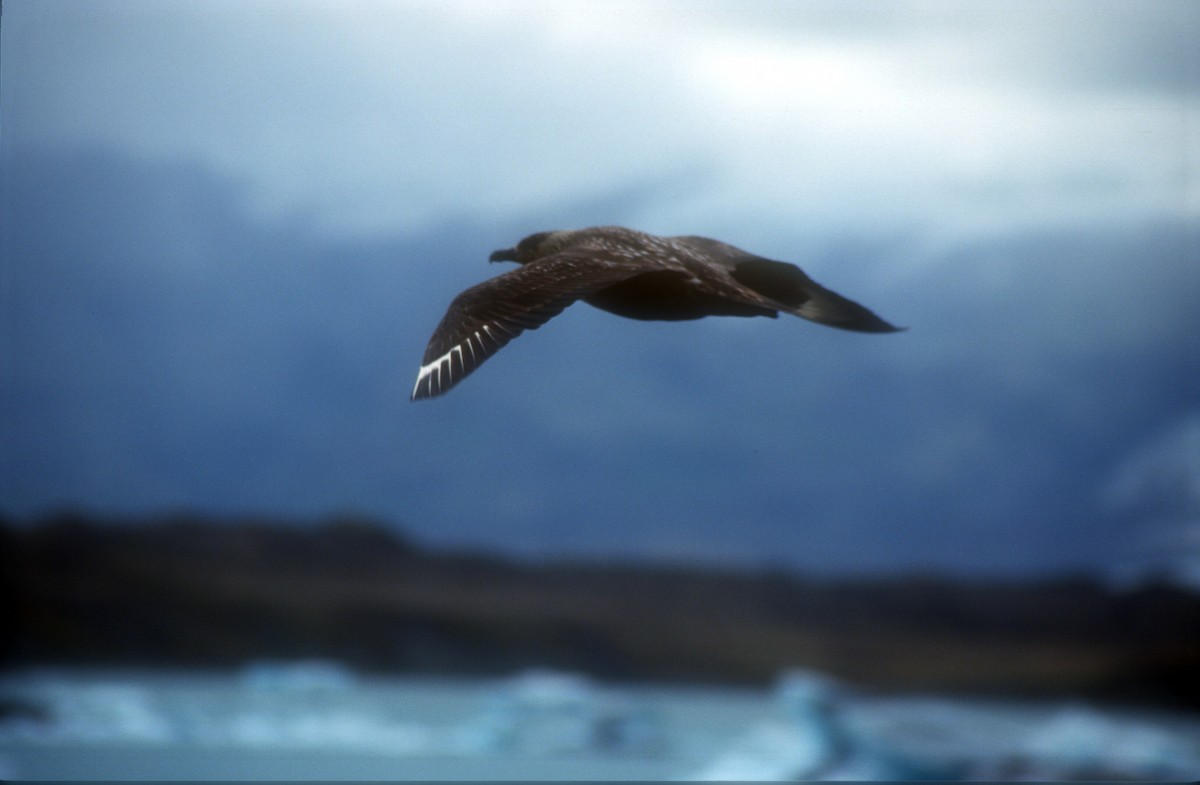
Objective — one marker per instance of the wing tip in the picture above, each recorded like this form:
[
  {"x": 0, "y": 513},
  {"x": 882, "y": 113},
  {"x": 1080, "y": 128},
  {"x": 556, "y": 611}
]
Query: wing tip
[{"x": 429, "y": 382}]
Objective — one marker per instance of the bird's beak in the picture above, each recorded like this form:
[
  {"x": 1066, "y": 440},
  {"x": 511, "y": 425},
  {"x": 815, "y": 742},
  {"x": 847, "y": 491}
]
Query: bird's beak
[{"x": 504, "y": 255}]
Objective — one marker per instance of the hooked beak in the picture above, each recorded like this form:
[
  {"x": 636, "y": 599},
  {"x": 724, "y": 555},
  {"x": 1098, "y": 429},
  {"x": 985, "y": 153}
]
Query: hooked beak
[{"x": 504, "y": 255}]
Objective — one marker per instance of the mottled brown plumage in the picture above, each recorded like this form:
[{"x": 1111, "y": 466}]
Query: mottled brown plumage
[{"x": 631, "y": 274}]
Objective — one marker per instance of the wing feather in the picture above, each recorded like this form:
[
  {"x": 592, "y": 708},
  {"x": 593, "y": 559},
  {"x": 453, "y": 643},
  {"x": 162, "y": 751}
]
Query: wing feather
[{"x": 484, "y": 318}]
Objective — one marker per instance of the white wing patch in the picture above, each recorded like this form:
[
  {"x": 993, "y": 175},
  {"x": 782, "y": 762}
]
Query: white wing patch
[{"x": 444, "y": 371}]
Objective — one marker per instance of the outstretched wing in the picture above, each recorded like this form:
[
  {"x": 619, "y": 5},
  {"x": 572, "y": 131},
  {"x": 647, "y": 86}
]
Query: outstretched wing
[{"x": 485, "y": 317}]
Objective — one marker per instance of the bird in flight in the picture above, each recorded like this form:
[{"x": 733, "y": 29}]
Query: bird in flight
[{"x": 631, "y": 274}]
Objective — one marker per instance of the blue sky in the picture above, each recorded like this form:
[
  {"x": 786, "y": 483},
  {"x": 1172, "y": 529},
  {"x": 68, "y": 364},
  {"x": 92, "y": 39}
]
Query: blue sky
[{"x": 228, "y": 229}]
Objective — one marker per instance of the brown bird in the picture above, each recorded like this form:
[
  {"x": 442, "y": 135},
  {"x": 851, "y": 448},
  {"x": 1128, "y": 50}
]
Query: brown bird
[{"x": 631, "y": 274}]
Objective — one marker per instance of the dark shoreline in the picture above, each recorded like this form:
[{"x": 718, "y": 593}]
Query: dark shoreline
[{"x": 187, "y": 592}]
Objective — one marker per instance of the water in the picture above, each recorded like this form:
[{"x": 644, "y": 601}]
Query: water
[{"x": 317, "y": 720}]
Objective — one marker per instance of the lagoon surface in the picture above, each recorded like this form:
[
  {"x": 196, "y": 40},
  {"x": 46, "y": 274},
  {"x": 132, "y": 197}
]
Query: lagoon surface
[{"x": 319, "y": 720}]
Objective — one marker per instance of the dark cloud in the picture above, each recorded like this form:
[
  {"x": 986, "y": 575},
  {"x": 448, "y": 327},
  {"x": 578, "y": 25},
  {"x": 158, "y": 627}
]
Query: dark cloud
[{"x": 163, "y": 349}]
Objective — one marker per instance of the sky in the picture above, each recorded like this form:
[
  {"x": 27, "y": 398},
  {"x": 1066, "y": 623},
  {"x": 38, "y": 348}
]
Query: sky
[{"x": 227, "y": 230}]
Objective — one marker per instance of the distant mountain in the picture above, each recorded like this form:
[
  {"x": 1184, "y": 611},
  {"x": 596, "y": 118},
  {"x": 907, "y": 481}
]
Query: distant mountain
[
  {"x": 166, "y": 345},
  {"x": 183, "y": 591}
]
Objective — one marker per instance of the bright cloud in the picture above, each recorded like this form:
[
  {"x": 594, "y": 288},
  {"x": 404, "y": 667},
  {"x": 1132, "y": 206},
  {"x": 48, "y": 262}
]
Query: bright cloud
[
  {"x": 377, "y": 117},
  {"x": 1158, "y": 484}
]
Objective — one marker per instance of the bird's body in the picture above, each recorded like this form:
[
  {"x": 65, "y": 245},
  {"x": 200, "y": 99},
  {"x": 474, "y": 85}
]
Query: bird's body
[{"x": 628, "y": 273}]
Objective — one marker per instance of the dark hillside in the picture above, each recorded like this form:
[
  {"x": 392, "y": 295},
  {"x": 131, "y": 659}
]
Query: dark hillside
[{"x": 190, "y": 592}]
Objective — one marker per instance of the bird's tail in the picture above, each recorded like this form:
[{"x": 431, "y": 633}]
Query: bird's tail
[
  {"x": 830, "y": 308},
  {"x": 787, "y": 285}
]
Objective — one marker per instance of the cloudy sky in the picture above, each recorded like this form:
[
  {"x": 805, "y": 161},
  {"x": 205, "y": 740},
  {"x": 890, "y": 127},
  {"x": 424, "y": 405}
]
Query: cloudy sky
[{"x": 228, "y": 229}]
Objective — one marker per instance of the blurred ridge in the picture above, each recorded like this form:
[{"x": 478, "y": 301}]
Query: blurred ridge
[{"x": 185, "y": 591}]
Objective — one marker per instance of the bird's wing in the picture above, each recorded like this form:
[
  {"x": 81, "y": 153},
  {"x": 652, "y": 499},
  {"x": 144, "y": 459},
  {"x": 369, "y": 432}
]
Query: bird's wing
[{"x": 487, "y": 316}]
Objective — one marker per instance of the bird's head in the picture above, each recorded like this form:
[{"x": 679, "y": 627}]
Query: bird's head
[{"x": 533, "y": 247}]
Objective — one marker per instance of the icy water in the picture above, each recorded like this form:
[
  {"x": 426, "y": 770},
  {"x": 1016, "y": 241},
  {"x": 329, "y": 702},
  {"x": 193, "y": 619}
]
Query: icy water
[{"x": 317, "y": 720}]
